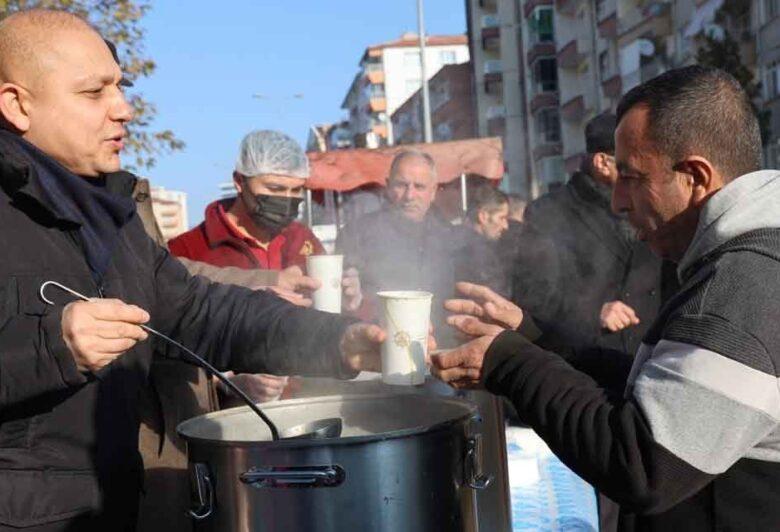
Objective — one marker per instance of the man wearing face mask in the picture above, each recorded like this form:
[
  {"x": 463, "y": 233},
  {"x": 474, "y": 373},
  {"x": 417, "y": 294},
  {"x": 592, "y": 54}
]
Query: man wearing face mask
[{"x": 257, "y": 229}]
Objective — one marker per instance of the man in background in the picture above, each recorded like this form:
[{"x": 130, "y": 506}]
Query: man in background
[
  {"x": 479, "y": 261},
  {"x": 258, "y": 230},
  {"x": 404, "y": 246},
  {"x": 581, "y": 271}
]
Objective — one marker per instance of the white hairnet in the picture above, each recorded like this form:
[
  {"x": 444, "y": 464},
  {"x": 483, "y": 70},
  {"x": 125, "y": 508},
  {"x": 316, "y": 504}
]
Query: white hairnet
[{"x": 271, "y": 152}]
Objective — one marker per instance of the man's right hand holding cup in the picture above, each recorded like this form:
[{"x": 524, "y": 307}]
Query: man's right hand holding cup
[{"x": 100, "y": 330}]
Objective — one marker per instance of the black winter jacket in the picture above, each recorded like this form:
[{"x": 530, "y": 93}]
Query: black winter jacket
[
  {"x": 574, "y": 255},
  {"x": 69, "y": 440}
]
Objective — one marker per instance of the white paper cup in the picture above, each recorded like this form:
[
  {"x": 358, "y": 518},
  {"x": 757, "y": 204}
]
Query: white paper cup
[
  {"x": 328, "y": 270},
  {"x": 406, "y": 318}
]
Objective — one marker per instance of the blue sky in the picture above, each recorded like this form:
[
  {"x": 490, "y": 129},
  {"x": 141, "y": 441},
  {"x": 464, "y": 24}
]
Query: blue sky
[{"x": 213, "y": 56}]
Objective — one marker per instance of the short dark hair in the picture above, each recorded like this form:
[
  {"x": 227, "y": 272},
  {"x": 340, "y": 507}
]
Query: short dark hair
[
  {"x": 600, "y": 134},
  {"x": 700, "y": 110},
  {"x": 485, "y": 197}
]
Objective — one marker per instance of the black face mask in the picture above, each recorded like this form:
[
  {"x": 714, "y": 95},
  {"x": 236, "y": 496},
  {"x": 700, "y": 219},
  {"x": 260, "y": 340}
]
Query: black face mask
[{"x": 273, "y": 212}]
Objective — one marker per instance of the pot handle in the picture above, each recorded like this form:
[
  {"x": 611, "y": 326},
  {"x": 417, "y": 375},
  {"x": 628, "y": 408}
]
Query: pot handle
[
  {"x": 202, "y": 490},
  {"x": 327, "y": 476},
  {"x": 475, "y": 479}
]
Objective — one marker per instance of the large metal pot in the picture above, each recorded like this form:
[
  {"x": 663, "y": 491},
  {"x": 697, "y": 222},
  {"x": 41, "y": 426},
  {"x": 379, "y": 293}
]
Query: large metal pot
[
  {"x": 404, "y": 463},
  {"x": 494, "y": 512}
]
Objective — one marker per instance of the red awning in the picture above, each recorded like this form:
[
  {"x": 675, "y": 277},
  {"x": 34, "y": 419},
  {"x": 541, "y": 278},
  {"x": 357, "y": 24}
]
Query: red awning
[{"x": 344, "y": 170}]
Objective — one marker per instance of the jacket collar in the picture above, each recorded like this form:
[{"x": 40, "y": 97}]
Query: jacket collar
[
  {"x": 19, "y": 177},
  {"x": 218, "y": 229}
]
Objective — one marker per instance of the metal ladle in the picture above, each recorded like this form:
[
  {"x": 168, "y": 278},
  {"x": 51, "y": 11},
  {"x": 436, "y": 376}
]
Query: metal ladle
[{"x": 323, "y": 428}]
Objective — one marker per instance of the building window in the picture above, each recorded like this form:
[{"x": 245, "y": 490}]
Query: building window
[
  {"x": 447, "y": 57},
  {"x": 412, "y": 59},
  {"x": 604, "y": 70},
  {"x": 376, "y": 90},
  {"x": 545, "y": 75},
  {"x": 548, "y": 125},
  {"x": 772, "y": 78},
  {"x": 541, "y": 26},
  {"x": 413, "y": 85}
]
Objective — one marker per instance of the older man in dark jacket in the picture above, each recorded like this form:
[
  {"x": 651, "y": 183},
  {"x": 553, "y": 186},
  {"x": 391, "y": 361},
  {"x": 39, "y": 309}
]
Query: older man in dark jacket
[
  {"x": 70, "y": 374},
  {"x": 580, "y": 270},
  {"x": 404, "y": 246}
]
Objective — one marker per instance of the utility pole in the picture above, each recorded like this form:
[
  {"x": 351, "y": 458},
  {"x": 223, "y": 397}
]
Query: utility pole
[{"x": 427, "y": 131}]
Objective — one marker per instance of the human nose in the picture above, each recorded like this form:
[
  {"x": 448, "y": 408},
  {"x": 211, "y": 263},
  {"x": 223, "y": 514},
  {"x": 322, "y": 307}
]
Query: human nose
[{"x": 121, "y": 110}]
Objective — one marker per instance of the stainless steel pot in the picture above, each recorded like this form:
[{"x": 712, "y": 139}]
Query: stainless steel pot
[
  {"x": 404, "y": 462},
  {"x": 494, "y": 511}
]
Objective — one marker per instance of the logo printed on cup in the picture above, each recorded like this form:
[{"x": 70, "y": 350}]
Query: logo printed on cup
[{"x": 406, "y": 319}]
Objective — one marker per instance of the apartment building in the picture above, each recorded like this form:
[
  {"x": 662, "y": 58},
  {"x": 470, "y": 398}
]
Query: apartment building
[
  {"x": 389, "y": 74},
  {"x": 495, "y": 44},
  {"x": 451, "y": 93},
  {"x": 170, "y": 211}
]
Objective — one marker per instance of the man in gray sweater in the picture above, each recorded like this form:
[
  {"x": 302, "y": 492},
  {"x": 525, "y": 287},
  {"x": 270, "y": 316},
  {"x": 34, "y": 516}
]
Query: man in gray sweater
[{"x": 686, "y": 438}]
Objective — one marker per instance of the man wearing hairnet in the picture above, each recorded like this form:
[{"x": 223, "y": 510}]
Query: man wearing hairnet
[{"x": 257, "y": 229}]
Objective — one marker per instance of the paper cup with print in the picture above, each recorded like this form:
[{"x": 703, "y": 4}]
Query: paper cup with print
[
  {"x": 406, "y": 317},
  {"x": 328, "y": 270}
]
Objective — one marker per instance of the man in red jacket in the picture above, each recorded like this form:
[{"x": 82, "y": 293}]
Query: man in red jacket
[{"x": 257, "y": 229}]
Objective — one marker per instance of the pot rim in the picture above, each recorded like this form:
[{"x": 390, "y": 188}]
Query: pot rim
[{"x": 349, "y": 440}]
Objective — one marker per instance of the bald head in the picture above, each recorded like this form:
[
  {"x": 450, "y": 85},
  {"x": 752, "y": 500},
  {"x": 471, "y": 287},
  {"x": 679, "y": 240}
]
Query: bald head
[
  {"x": 61, "y": 90},
  {"x": 29, "y": 38}
]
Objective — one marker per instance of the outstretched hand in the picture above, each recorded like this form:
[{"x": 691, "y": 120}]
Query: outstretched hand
[{"x": 482, "y": 311}]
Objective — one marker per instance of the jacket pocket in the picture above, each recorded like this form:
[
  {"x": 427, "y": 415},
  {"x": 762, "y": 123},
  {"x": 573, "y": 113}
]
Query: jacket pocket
[{"x": 30, "y": 498}]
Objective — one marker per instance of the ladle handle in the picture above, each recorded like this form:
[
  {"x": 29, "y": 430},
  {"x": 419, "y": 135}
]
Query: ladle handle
[{"x": 201, "y": 361}]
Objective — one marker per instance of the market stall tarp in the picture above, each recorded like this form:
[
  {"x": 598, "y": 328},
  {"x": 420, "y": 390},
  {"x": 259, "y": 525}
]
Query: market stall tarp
[{"x": 343, "y": 170}]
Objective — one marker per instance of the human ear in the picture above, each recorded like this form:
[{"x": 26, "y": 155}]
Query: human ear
[
  {"x": 702, "y": 177},
  {"x": 600, "y": 162},
  {"x": 238, "y": 181},
  {"x": 14, "y": 107}
]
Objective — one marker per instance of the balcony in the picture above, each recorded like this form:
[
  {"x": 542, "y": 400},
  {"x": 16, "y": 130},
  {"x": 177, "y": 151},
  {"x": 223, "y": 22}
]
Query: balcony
[
  {"x": 568, "y": 7},
  {"x": 380, "y": 129},
  {"x": 608, "y": 27},
  {"x": 377, "y": 104},
  {"x": 612, "y": 87},
  {"x": 547, "y": 150},
  {"x": 375, "y": 73},
  {"x": 491, "y": 33},
  {"x": 574, "y": 110},
  {"x": 571, "y": 55},
  {"x": 654, "y": 20},
  {"x": 493, "y": 74},
  {"x": 540, "y": 50},
  {"x": 531, "y": 4},
  {"x": 542, "y": 100}
]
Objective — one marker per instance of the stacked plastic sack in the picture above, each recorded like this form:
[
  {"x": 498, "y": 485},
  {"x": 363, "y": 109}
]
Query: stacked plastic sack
[{"x": 546, "y": 495}]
